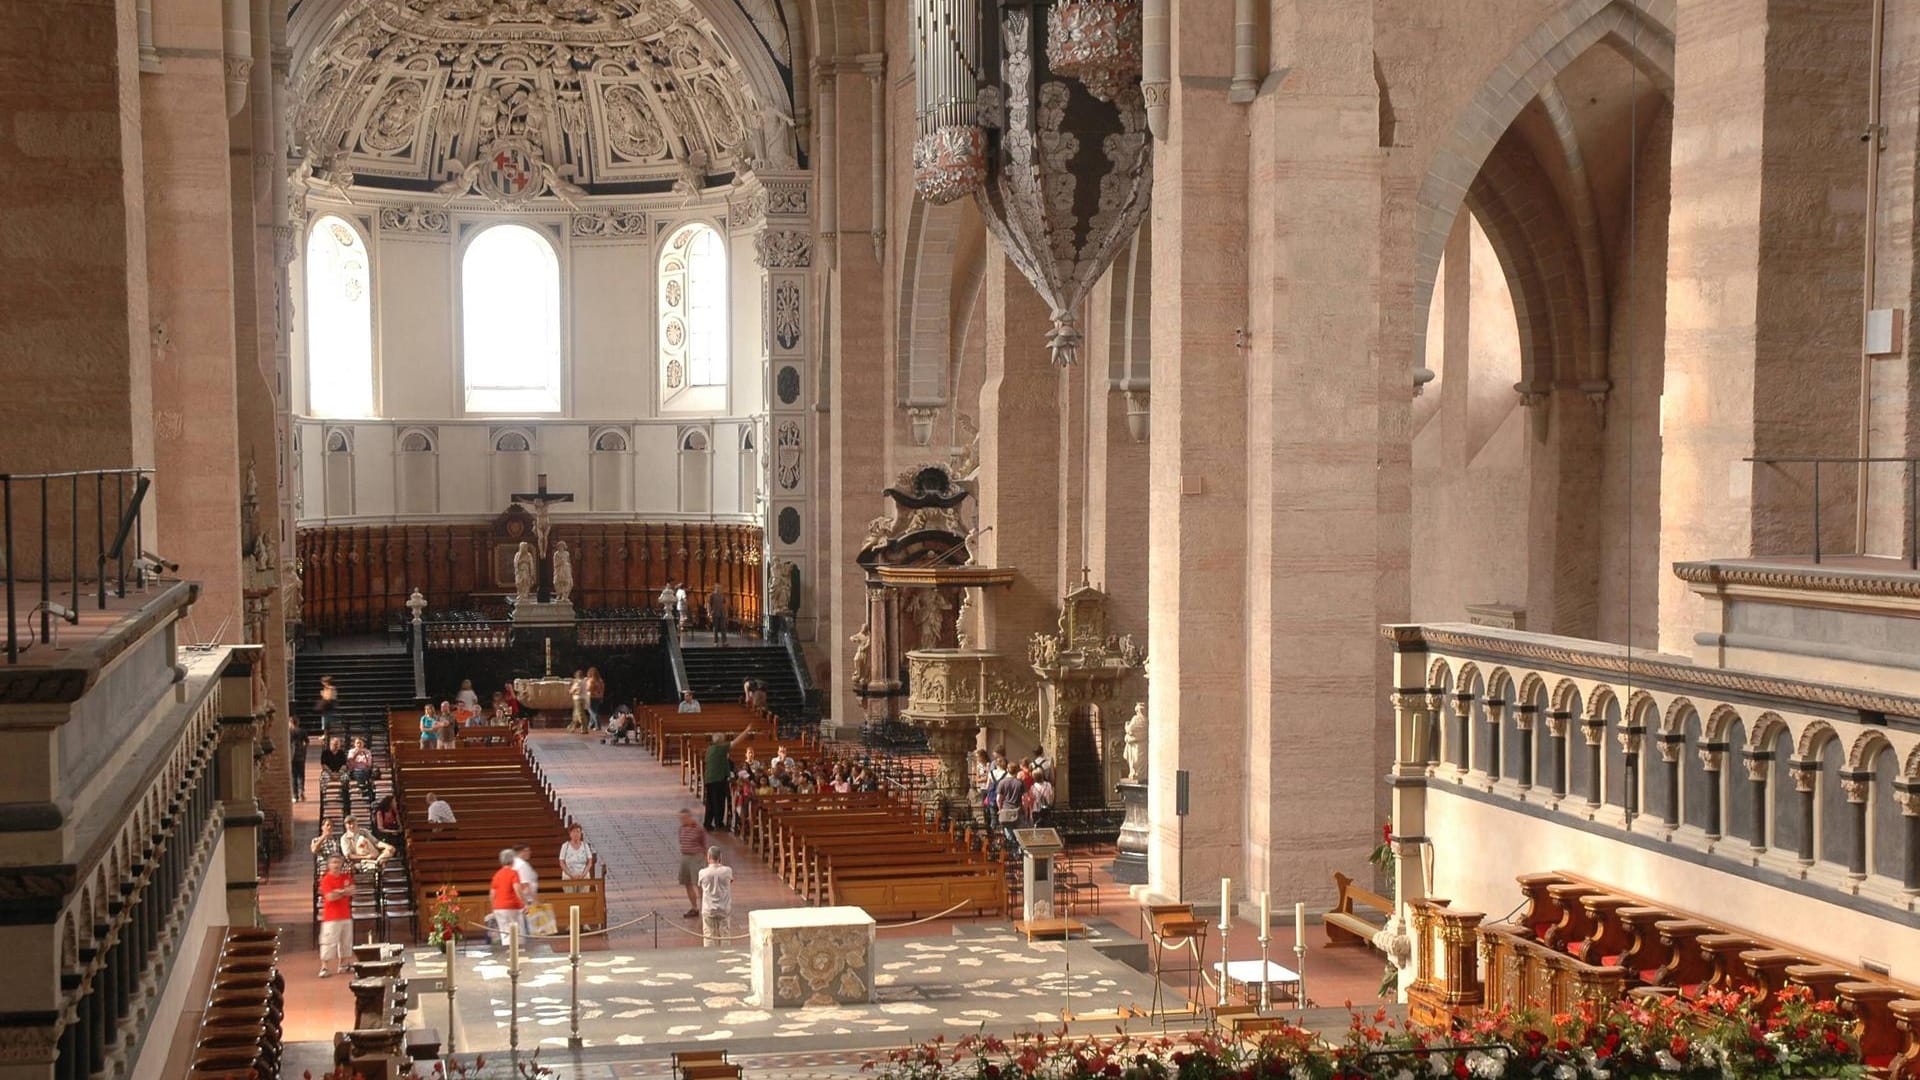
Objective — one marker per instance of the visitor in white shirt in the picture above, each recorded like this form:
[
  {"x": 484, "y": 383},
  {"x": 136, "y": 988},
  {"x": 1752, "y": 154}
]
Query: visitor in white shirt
[
  {"x": 439, "y": 812},
  {"x": 687, "y": 703}
]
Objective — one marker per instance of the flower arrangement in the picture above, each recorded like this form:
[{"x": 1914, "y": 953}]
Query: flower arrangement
[
  {"x": 444, "y": 921},
  {"x": 1716, "y": 1034}
]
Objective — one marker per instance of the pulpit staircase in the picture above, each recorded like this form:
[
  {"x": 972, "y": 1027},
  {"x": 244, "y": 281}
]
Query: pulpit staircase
[
  {"x": 716, "y": 674},
  {"x": 369, "y": 685}
]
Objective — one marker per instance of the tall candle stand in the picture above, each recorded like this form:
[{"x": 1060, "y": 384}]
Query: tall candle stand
[
  {"x": 1266, "y": 999},
  {"x": 452, "y": 954},
  {"x": 513, "y": 992},
  {"x": 1226, "y": 925},
  {"x": 573, "y": 947},
  {"x": 1300, "y": 974}
]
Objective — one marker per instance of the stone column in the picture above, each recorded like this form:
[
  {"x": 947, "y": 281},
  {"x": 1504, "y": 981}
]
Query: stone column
[
  {"x": 1857, "y": 787},
  {"x": 1670, "y": 748},
  {"x": 1909, "y": 796},
  {"x": 1118, "y": 437},
  {"x": 1197, "y": 489},
  {"x": 239, "y": 729},
  {"x": 1408, "y": 791},
  {"x": 857, "y": 362},
  {"x": 1557, "y": 721},
  {"x": 1763, "y": 334},
  {"x": 1711, "y": 757},
  {"x": 1496, "y": 716},
  {"x": 1594, "y": 733},
  {"x": 783, "y": 246},
  {"x": 1806, "y": 777},
  {"x": 1462, "y": 728},
  {"x": 1630, "y": 740},
  {"x": 1758, "y": 765},
  {"x": 1523, "y": 724},
  {"x": 190, "y": 268},
  {"x": 1327, "y": 486}
]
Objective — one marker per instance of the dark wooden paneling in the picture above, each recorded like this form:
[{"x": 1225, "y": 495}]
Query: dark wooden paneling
[{"x": 356, "y": 578}]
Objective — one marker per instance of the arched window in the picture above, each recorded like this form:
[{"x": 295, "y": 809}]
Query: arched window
[
  {"x": 339, "y": 318},
  {"x": 510, "y": 321},
  {"x": 693, "y": 310}
]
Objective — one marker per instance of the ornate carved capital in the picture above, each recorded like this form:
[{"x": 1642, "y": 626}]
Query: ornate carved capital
[
  {"x": 1710, "y": 758},
  {"x": 1670, "y": 747},
  {"x": 783, "y": 249},
  {"x": 1594, "y": 730},
  {"x": 1523, "y": 717},
  {"x": 1630, "y": 739},
  {"x": 1908, "y": 798},
  {"x": 1856, "y": 787},
  {"x": 1805, "y": 775},
  {"x": 1557, "y": 724},
  {"x": 1757, "y": 766}
]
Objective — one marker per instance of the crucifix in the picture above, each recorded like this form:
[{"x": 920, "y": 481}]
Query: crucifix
[{"x": 538, "y": 503}]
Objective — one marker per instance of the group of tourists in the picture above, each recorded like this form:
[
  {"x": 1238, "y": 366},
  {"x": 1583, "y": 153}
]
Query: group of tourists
[
  {"x": 673, "y": 603},
  {"x": 1014, "y": 796}
]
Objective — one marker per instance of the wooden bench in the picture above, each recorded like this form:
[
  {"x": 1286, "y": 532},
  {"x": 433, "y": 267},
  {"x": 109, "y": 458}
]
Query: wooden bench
[{"x": 1347, "y": 923}]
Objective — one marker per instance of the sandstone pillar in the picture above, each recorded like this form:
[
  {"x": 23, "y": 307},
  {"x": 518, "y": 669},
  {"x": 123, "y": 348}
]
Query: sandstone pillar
[
  {"x": 1328, "y": 461},
  {"x": 1021, "y": 490},
  {"x": 1116, "y": 472},
  {"x": 1763, "y": 281},
  {"x": 1197, "y": 556},
  {"x": 857, "y": 363},
  {"x": 190, "y": 263}
]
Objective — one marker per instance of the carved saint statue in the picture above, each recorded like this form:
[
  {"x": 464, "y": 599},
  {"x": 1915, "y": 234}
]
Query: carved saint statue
[
  {"x": 1134, "y": 752},
  {"x": 525, "y": 573},
  {"x": 1131, "y": 654},
  {"x": 862, "y": 640},
  {"x": 290, "y": 596},
  {"x": 930, "y": 607},
  {"x": 262, "y": 554},
  {"x": 1043, "y": 650},
  {"x": 780, "y": 586},
  {"x": 562, "y": 573},
  {"x": 964, "y": 619}
]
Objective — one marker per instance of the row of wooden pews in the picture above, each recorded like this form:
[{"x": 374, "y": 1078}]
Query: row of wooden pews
[
  {"x": 1578, "y": 939},
  {"x": 240, "y": 1031},
  {"x": 673, "y": 736},
  {"x": 500, "y": 798},
  {"x": 875, "y": 850},
  {"x": 379, "y": 1046}
]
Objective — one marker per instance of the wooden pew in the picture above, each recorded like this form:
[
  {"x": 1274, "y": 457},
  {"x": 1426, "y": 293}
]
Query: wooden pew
[{"x": 1347, "y": 924}]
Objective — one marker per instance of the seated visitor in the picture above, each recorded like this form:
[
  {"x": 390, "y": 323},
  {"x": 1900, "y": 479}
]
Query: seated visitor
[
  {"x": 386, "y": 822},
  {"x": 687, "y": 702},
  {"x": 439, "y": 811},
  {"x": 333, "y": 761},
  {"x": 577, "y": 859},
  {"x": 466, "y": 697},
  {"x": 361, "y": 848},
  {"x": 622, "y": 726},
  {"x": 513, "y": 700},
  {"x": 841, "y": 782},
  {"x": 780, "y": 758},
  {"x": 326, "y": 845}
]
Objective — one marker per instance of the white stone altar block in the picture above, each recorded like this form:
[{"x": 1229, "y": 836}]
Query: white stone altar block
[{"x": 811, "y": 956}]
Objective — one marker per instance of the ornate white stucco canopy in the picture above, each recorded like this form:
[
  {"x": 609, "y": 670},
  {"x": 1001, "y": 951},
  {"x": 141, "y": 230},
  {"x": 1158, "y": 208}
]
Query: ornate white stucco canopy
[{"x": 510, "y": 97}]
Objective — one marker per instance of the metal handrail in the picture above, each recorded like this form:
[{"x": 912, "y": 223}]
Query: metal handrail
[
  {"x": 1913, "y": 495},
  {"x": 124, "y": 530}
]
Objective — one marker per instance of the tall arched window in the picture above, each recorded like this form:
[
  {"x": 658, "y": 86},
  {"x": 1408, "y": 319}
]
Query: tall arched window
[
  {"x": 693, "y": 312},
  {"x": 339, "y": 318},
  {"x": 510, "y": 321}
]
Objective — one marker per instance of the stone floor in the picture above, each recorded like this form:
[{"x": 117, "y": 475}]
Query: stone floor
[{"x": 647, "y": 998}]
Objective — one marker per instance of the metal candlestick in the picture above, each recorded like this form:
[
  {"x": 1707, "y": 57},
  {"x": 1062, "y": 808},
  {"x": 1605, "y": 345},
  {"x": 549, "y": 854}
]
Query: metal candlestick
[
  {"x": 513, "y": 996},
  {"x": 573, "y": 1036},
  {"x": 452, "y": 954},
  {"x": 1300, "y": 974},
  {"x": 1226, "y": 925},
  {"x": 1265, "y": 994}
]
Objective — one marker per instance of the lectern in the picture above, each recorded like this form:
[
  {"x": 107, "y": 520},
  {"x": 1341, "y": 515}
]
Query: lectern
[{"x": 1037, "y": 849}]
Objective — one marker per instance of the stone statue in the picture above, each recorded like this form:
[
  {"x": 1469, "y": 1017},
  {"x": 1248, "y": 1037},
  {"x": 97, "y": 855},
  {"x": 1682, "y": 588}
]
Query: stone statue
[
  {"x": 1131, "y": 654},
  {"x": 562, "y": 573},
  {"x": 417, "y": 603},
  {"x": 780, "y": 587},
  {"x": 862, "y": 640},
  {"x": 964, "y": 619},
  {"x": 1043, "y": 650},
  {"x": 290, "y": 597},
  {"x": 525, "y": 573},
  {"x": 930, "y": 607},
  {"x": 1134, "y": 752},
  {"x": 542, "y": 523},
  {"x": 262, "y": 554}
]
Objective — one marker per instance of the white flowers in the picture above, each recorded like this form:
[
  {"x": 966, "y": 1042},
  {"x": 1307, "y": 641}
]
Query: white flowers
[{"x": 1486, "y": 1066}]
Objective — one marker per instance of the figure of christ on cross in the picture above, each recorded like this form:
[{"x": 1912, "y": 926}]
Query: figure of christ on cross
[{"x": 539, "y": 503}]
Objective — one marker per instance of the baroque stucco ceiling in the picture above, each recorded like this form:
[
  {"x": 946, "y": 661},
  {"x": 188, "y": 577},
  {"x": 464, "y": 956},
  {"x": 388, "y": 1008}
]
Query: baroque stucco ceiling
[{"x": 572, "y": 97}]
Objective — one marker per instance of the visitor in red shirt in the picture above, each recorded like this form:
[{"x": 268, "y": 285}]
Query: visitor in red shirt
[
  {"x": 509, "y": 908},
  {"x": 336, "y": 915}
]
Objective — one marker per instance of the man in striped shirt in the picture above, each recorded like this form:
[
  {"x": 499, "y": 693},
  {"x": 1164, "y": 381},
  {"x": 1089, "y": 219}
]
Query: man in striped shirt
[{"x": 693, "y": 859}]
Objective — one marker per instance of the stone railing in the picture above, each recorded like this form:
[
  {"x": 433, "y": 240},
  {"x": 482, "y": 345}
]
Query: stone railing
[{"x": 1816, "y": 782}]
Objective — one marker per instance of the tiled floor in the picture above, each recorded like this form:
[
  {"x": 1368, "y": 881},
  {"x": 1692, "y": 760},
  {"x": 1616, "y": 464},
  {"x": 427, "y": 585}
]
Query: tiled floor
[{"x": 629, "y": 804}]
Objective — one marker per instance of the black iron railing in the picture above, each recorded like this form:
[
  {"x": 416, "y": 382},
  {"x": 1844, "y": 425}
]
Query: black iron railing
[
  {"x": 119, "y": 504},
  {"x": 1912, "y": 545}
]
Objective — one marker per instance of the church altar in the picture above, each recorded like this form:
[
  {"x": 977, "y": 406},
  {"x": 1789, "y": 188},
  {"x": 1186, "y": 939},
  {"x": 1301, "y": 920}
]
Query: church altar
[{"x": 811, "y": 956}]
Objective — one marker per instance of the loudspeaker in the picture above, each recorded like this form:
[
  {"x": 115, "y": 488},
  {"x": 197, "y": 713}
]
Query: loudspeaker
[{"x": 1180, "y": 797}]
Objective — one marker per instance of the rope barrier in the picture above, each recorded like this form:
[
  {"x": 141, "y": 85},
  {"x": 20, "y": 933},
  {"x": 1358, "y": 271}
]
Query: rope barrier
[
  {"x": 655, "y": 915},
  {"x": 485, "y": 928}
]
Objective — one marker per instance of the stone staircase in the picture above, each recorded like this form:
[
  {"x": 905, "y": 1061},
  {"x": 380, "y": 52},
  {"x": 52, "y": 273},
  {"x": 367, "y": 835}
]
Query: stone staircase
[
  {"x": 369, "y": 685},
  {"x": 716, "y": 674}
]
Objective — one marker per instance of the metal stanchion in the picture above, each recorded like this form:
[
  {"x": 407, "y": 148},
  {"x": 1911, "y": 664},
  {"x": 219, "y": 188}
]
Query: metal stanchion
[{"x": 573, "y": 952}]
